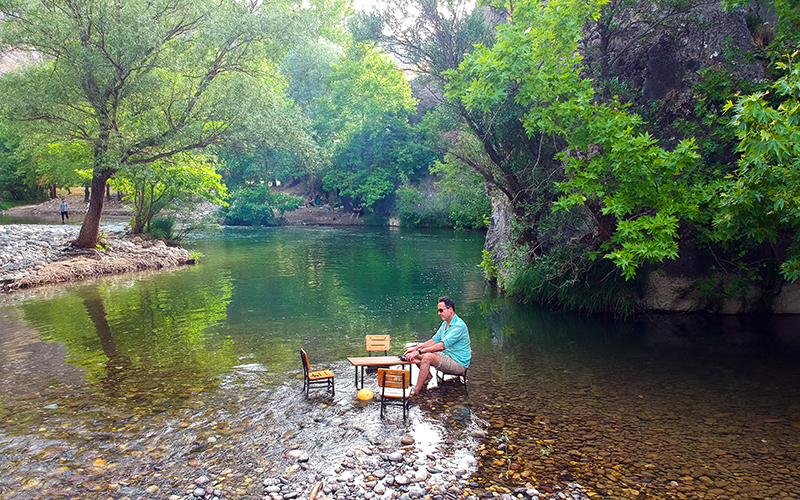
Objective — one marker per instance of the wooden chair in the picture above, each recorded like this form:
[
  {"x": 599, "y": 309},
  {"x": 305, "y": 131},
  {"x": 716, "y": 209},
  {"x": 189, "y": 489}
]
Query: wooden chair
[
  {"x": 395, "y": 388},
  {"x": 461, "y": 378},
  {"x": 315, "y": 378},
  {"x": 378, "y": 343}
]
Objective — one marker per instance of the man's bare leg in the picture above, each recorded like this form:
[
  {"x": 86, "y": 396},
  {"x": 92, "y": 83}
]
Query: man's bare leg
[{"x": 428, "y": 359}]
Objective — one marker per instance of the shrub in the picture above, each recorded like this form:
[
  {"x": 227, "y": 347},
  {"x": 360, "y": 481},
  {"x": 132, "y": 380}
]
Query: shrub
[
  {"x": 162, "y": 228},
  {"x": 254, "y": 207},
  {"x": 570, "y": 278},
  {"x": 416, "y": 210}
]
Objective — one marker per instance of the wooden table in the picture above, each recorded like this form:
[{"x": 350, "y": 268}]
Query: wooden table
[{"x": 381, "y": 361}]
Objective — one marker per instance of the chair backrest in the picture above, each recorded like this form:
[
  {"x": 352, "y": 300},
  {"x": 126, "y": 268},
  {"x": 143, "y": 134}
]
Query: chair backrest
[
  {"x": 394, "y": 379},
  {"x": 304, "y": 357},
  {"x": 378, "y": 343}
]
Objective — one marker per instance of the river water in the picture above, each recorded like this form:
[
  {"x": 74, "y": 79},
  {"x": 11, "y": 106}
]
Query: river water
[{"x": 117, "y": 385}]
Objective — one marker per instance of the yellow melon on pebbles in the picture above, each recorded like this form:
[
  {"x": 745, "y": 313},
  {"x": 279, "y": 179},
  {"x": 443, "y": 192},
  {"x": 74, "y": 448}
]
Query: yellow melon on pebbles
[{"x": 364, "y": 395}]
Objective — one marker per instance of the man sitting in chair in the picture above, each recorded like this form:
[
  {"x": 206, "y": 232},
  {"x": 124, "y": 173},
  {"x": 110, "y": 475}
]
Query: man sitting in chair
[{"x": 449, "y": 350}]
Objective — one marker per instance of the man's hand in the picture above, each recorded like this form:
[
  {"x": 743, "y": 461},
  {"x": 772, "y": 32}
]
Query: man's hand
[{"x": 411, "y": 354}]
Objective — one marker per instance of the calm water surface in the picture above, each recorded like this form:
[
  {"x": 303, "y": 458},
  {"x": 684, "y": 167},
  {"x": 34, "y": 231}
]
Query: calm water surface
[{"x": 125, "y": 380}]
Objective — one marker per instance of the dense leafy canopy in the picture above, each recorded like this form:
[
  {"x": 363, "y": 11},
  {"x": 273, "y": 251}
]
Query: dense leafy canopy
[{"x": 181, "y": 99}]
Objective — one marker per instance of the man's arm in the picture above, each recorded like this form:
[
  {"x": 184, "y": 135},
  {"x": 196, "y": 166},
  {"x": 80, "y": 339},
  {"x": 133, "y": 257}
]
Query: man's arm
[{"x": 429, "y": 346}]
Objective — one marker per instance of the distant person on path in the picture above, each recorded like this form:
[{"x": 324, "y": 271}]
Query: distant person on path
[
  {"x": 357, "y": 211},
  {"x": 449, "y": 350},
  {"x": 64, "y": 210}
]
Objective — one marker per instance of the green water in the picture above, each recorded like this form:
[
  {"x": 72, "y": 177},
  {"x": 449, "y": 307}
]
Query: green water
[{"x": 140, "y": 369}]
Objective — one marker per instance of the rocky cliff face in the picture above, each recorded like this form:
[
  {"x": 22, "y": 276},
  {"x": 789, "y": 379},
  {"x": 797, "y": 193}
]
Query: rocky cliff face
[{"x": 14, "y": 59}]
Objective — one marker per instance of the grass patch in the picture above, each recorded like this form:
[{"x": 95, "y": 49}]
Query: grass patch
[
  {"x": 569, "y": 279},
  {"x": 5, "y": 205}
]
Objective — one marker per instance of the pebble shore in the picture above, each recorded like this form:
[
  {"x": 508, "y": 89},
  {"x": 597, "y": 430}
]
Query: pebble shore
[
  {"x": 375, "y": 473},
  {"x": 32, "y": 255}
]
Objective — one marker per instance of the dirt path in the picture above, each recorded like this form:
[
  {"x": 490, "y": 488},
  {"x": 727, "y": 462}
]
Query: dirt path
[{"x": 51, "y": 208}]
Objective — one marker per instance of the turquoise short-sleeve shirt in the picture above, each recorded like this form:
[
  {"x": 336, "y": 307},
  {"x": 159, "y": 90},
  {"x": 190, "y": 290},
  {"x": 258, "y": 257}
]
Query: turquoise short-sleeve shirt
[{"x": 456, "y": 341}]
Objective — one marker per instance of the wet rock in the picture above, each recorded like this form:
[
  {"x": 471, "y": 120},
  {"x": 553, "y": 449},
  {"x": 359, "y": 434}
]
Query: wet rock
[
  {"x": 396, "y": 456},
  {"x": 407, "y": 440}
]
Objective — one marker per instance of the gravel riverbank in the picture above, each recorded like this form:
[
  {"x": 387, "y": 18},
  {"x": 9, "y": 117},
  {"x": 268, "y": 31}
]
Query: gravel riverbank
[{"x": 33, "y": 255}]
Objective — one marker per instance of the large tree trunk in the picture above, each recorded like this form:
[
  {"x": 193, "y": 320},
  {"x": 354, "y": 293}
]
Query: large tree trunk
[{"x": 90, "y": 229}]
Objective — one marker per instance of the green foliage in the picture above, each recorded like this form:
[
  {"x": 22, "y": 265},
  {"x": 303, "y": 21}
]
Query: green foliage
[
  {"x": 407, "y": 203},
  {"x": 416, "y": 210},
  {"x": 17, "y": 183},
  {"x": 168, "y": 182},
  {"x": 721, "y": 285},
  {"x": 489, "y": 266},
  {"x": 307, "y": 68},
  {"x": 256, "y": 206},
  {"x": 363, "y": 120},
  {"x": 162, "y": 228},
  {"x": 365, "y": 187},
  {"x": 470, "y": 207},
  {"x": 462, "y": 202},
  {"x": 261, "y": 165},
  {"x": 570, "y": 278},
  {"x": 367, "y": 92},
  {"x": 760, "y": 199}
]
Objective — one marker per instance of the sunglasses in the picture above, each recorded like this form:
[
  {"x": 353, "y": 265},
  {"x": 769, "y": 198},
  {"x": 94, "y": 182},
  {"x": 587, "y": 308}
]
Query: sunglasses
[{"x": 441, "y": 310}]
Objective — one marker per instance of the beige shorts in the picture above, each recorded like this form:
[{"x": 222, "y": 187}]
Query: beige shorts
[{"x": 450, "y": 366}]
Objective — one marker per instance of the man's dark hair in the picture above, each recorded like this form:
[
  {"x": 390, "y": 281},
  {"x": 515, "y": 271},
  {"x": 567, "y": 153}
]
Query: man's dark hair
[{"x": 448, "y": 302}]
